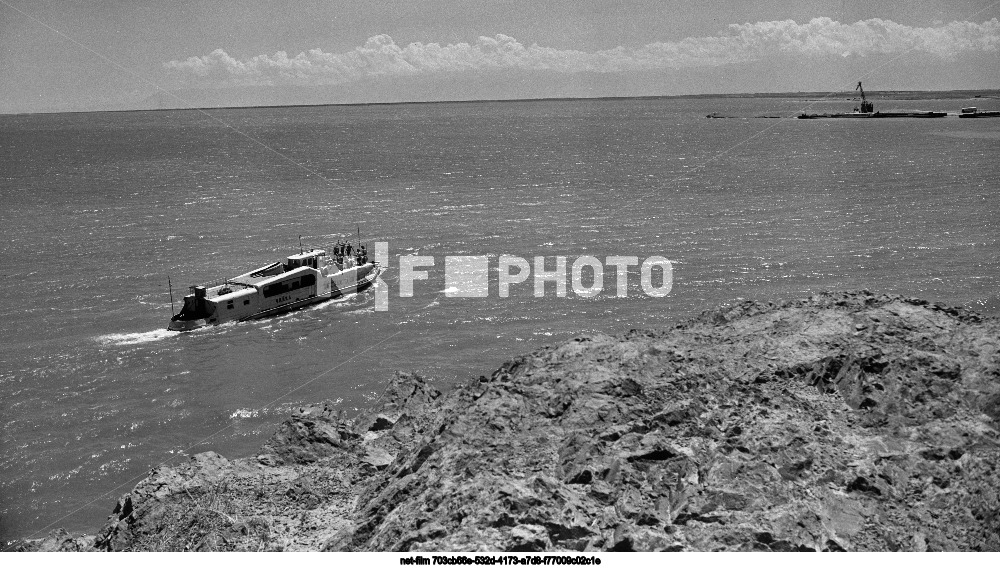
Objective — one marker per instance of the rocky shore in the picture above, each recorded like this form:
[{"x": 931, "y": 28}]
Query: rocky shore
[{"x": 845, "y": 421}]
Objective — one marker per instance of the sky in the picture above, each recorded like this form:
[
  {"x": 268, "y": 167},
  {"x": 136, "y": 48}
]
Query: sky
[{"x": 58, "y": 55}]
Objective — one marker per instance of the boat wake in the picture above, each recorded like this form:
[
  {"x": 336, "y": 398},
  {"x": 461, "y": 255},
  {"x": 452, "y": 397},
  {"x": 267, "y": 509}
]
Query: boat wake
[
  {"x": 118, "y": 339},
  {"x": 332, "y": 304},
  {"x": 135, "y": 338}
]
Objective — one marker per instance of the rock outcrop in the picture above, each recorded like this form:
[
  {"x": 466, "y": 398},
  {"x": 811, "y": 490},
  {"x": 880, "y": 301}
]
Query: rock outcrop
[{"x": 846, "y": 421}]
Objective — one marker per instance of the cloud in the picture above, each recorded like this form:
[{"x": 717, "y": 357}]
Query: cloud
[{"x": 381, "y": 56}]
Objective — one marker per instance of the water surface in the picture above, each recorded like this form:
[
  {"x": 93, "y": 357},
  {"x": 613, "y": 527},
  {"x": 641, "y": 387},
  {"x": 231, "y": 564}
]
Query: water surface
[{"x": 101, "y": 208}]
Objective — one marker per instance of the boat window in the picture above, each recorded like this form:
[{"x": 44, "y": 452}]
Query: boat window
[
  {"x": 287, "y": 286},
  {"x": 275, "y": 289}
]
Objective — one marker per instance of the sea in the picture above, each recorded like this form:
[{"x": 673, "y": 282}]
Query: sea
[{"x": 109, "y": 217}]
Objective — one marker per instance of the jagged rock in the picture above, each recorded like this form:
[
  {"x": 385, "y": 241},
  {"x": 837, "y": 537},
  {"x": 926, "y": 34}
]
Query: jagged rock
[
  {"x": 382, "y": 422},
  {"x": 203, "y": 472},
  {"x": 377, "y": 457},
  {"x": 310, "y": 434},
  {"x": 844, "y": 421},
  {"x": 57, "y": 540},
  {"x": 528, "y": 538}
]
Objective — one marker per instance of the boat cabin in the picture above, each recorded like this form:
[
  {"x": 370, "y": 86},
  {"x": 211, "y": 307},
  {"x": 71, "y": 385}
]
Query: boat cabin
[
  {"x": 309, "y": 259},
  {"x": 279, "y": 287}
]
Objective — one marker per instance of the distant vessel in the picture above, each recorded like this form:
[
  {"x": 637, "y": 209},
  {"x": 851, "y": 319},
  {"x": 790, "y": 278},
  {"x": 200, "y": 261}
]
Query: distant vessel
[
  {"x": 867, "y": 110},
  {"x": 306, "y": 278},
  {"x": 913, "y": 114},
  {"x": 866, "y": 105},
  {"x": 838, "y": 115},
  {"x": 974, "y": 112}
]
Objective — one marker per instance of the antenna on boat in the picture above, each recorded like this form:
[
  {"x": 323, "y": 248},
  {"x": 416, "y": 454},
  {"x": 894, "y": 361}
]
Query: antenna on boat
[
  {"x": 300, "y": 244},
  {"x": 359, "y": 237},
  {"x": 171, "y": 288}
]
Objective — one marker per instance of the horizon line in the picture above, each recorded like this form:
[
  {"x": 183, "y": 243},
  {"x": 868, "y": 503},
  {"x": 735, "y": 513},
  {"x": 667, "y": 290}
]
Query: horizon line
[{"x": 984, "y": 93}]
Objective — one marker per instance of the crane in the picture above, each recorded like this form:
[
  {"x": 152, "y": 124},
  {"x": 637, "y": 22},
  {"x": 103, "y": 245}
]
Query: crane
[{"x": 866, "y": 106}]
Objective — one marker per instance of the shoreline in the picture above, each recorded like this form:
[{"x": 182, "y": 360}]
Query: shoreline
[{"x": 843, "y": 421}]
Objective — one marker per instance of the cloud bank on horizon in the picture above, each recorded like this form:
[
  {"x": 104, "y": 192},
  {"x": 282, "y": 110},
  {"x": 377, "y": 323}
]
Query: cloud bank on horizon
[{"x": 381, "y": 56}]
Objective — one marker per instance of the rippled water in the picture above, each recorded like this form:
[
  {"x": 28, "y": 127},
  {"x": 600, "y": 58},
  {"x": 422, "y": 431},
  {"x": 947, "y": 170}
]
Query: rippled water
[{"x": 99, "y": 209}]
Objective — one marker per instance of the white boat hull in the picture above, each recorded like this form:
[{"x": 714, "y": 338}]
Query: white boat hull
[{"x": 272, "y": 290}]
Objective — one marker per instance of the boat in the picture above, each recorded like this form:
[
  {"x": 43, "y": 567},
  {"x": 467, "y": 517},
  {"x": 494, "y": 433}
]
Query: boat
[
  {"x": 974, "y": 112},
  {"x": 891, "y": 114},
  {"x": 303, "y": 279},
  {"x": 867, "y": 110},
  {"x": 911, "y": 114},
  {"x": 839, "y": 115}
]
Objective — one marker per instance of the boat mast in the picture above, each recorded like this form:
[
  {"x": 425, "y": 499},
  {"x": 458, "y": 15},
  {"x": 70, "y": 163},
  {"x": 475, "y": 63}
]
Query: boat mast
[{"x": 171, "y": 289}]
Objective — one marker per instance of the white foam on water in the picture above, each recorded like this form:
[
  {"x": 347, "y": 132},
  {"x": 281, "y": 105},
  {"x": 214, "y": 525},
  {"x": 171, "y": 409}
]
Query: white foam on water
[
  {"x": 347, "y": 298},
  {"x": 114, "y": 339},
  {"x": 245, "y": 413},
  {"x": 135, "y": 338}
]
